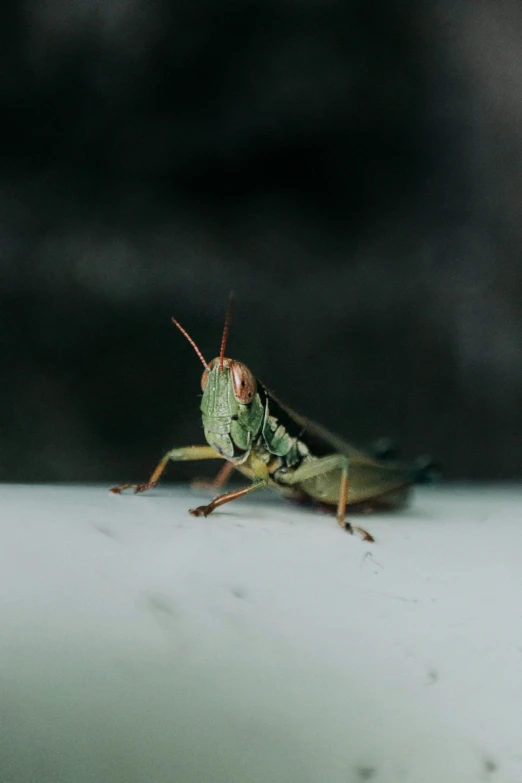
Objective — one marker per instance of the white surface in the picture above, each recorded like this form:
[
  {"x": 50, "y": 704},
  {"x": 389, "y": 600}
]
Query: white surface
[{"x": 260, "y": 645}]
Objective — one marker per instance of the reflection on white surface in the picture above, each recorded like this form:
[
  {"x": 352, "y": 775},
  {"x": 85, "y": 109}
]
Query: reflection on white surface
[{"x": 260, "y": 645}]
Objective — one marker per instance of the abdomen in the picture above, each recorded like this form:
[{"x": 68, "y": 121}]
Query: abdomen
[{"x": 366, "y": 480}]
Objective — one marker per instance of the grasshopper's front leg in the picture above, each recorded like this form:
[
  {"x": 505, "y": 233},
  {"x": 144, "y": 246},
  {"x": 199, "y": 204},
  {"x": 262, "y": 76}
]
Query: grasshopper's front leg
[
  {"x": 260, "y": 481},
  {"x": 187, "y": 453},
  {"x": 322, "y": 467}
]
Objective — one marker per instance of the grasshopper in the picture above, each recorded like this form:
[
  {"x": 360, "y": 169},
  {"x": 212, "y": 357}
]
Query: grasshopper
[{"x": 273, "y": 446}]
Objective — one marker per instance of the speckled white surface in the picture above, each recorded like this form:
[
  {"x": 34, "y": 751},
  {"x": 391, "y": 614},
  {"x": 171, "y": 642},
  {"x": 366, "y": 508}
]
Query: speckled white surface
[{"x": 260, "y": 645}]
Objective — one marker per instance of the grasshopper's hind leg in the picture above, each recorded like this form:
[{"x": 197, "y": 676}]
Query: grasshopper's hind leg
[
  {"x": 322, "y": 467},
  {"x": 341, "y": 509},
  {"x": 186, "y": 453}
]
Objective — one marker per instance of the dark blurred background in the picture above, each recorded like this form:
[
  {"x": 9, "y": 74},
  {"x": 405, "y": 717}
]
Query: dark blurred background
[{"x": 352, "y": 170}]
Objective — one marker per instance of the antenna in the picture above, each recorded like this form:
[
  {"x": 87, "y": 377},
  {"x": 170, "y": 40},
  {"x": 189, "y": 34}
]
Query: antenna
[
  {"x": 225, "y": 330},
  {"x": 191, "y": 341}
]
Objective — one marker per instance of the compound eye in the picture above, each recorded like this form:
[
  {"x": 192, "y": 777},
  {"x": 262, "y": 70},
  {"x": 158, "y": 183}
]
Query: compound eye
[
  {"x": 204, "y": 379},
  {"x": 245, "y": 385}
]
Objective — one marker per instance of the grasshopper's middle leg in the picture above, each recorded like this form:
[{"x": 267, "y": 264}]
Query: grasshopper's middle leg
[
  {"x": 321, "y": 467},
  {"x": 219, "y": 481},
  {"x": 187, "y": 453}
]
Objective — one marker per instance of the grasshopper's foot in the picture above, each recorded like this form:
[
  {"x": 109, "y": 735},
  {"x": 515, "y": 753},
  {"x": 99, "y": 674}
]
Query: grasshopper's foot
[
  {"x": 136, "y": 487},
  {"x": 121, "y": 488},
  {"x": 200, "y": 511},
  {"x": 351, "y": 529}
]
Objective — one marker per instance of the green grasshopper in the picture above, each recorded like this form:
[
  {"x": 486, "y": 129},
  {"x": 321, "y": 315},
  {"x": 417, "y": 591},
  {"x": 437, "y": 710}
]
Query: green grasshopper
[{"x": 275, "y": 447}]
